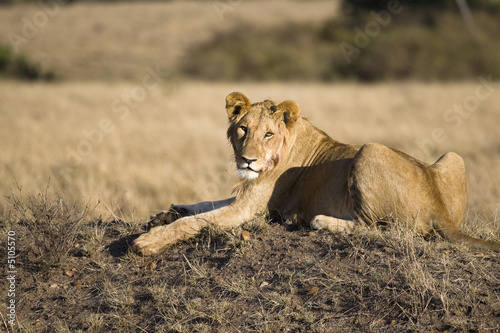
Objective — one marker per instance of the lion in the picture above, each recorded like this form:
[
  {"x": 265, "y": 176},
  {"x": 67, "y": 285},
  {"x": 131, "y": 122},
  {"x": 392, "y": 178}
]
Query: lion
[{"x": 290, "y": 167}]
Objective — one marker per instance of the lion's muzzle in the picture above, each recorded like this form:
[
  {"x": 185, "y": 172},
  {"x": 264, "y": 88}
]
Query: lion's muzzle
[{"x": 247, "y": 168}]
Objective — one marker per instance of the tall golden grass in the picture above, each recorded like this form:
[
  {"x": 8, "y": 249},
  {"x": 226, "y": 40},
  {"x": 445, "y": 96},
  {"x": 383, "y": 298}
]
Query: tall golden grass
[{"x": 169, "y": 146}]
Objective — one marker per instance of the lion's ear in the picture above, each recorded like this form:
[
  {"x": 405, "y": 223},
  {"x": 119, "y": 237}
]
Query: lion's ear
[
  {"x": 235, "y": 101},
  {"x": 291, "y": 112}
]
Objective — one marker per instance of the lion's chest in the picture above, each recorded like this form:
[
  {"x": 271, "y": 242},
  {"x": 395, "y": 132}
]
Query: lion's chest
[{"x": 304, "y": 192}]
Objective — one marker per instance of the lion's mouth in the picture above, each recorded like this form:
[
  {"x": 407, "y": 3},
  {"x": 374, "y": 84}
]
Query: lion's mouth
[
  {"x": 248, "y": 173},
  {"x": 250, "y": 169}
]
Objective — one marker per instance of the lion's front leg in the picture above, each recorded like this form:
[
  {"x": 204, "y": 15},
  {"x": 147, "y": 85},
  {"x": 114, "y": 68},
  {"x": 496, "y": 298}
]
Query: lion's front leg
[
  {"x": 158, "y": 238},
  {"x": 152, "y": 242}
]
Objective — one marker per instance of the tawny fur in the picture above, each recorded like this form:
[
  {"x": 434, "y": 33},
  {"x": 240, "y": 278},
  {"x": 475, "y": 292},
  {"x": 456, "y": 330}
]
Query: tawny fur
[{"x": 290, "y": 167}]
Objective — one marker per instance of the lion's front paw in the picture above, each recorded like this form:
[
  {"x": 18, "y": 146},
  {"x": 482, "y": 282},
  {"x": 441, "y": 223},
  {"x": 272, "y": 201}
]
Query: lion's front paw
[
  {"x": 166, "y": 216},
  {"x": 170, "y": 215},
  {"x": 149, "y": 243}
]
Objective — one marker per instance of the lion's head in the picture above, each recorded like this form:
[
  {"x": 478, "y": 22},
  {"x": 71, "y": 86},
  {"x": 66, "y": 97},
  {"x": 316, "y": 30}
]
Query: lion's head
[{"x": 260, "y": 133}]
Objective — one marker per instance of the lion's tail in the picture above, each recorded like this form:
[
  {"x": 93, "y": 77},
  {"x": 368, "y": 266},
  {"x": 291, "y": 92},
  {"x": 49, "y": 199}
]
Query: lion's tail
[{"x": 454, "y": 235}]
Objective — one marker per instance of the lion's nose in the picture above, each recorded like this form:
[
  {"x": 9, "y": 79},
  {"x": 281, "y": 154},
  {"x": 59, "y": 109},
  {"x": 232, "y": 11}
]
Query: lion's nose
[{"x": 248, "y": 160}]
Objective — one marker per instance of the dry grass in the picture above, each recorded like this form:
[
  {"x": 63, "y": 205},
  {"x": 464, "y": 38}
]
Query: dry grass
[{"x": 171, "y": 147}]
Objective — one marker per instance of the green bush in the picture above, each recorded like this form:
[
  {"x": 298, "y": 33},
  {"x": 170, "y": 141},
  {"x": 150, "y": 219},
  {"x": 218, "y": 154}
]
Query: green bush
[
  {"x": 5, "y": 57},
  {"x": 255, "y": 54},
  {"x": 20, "y": 67},
  {"x": 425, "y": 46},
  {"x": 364, "y": 5}
]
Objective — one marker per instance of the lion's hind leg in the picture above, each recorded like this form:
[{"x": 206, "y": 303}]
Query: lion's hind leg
[
  {"x": 449, "y": 175},
  {"x": 333, "y": 224}
]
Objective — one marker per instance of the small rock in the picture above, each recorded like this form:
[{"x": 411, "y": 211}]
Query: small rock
[
  {"x": 151, "y": 265},
  {"x": 76, "y": 283},
  {"x": 53, "y": 285},
  {"x": 313, "y": 291},
  {"x": 296, "y": 304},
  {"x": 245, "y": 235},
  {"x": 70, "y": 273}
]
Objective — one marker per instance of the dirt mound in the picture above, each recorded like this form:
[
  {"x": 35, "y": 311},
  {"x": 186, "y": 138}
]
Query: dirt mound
[{"x": 284, "y": 278}]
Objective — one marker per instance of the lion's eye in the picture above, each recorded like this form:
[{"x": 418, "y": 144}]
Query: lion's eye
[
  {"x": 268, "y": 135},
  {"x": 242, "y": 131}
]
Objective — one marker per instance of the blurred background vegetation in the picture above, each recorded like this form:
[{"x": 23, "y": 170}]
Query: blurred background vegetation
[
  {"x": 425, "y": 40},
  {"x": 19, "y": 66}
]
